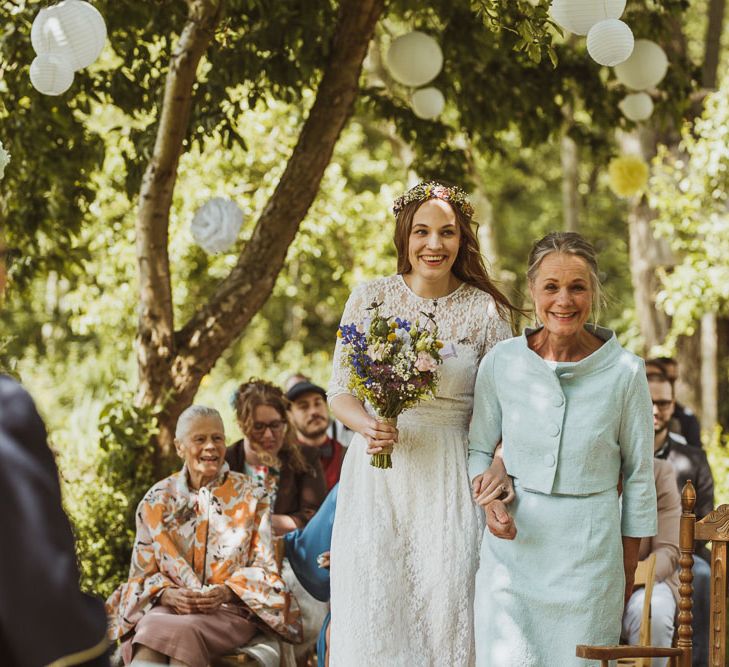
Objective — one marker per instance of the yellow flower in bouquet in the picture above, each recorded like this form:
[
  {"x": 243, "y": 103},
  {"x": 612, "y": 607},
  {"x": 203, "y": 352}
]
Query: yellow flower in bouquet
[{"x": 628, "y": 175}]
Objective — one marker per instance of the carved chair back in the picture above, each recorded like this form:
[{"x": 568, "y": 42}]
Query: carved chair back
[{"x": 714, "y": 527}]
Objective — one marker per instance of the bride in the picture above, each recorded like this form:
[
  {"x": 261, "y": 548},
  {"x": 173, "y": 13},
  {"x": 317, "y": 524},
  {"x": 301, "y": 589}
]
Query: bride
[{"x": 405, "y": 542}]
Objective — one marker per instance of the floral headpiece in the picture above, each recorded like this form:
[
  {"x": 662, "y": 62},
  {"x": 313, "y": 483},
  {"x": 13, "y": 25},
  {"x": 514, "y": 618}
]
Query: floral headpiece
[{"x": 433, "y": 190}]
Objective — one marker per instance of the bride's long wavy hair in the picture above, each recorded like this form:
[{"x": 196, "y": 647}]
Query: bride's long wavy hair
[{"x": 469, "y": 266}]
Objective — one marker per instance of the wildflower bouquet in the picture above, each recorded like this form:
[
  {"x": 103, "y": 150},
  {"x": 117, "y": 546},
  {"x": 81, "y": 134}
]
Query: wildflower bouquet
[{"x": 392, "y": 365}]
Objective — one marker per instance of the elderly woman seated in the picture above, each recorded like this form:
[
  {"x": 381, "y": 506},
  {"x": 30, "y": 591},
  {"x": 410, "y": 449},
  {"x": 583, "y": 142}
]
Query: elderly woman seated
[{"x": 203, "y": 577}]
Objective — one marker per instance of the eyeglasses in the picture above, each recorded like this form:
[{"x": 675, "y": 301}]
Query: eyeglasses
[
  {"x": 663, "y": 404},
  {"x": 259, "y": 428}
]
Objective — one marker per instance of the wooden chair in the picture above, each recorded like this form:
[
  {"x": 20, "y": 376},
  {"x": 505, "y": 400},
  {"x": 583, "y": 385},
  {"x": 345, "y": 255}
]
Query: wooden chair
[
  {"x": 645, "y": 575},
  {"x": 640, "y": 655},
  {"x": 714, "y": 527}
]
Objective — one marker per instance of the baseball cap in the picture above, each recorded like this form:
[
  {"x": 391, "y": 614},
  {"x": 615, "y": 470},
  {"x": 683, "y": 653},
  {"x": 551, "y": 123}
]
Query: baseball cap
[{"x": 304, "y": 387}]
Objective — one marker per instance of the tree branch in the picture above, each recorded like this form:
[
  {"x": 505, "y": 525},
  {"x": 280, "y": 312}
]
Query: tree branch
[{"x": 251, "y": 281}]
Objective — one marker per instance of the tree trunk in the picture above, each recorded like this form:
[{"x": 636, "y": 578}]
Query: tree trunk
[
  {"x": 709, "y": 379},
  {"x": 155, "y": 334},
  {"x": 570, "y": 182},
  {"x": 172, "y": 364},
  {"x": 712, "y": 48},
  {"x": 647, "y": 253}
]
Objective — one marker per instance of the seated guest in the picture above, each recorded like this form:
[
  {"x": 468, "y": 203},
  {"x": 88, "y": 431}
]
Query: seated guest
[
  {"x": 269, "y": 449},
  {"x": 684, "y": 421},
  {"x": 189, "y": 599},
  {"x": 310, "y": 416},
  {"x": 665, "y": 546},
  {"x": 688, "y": 463},
  {"x": 307, "y": 551}
]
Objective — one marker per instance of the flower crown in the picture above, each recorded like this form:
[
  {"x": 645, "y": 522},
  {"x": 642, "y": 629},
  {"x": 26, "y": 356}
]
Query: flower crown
[{"x": 433, "y": 190}]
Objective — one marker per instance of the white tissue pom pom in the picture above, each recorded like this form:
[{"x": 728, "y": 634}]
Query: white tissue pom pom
[{"x": 216, "y": 225}]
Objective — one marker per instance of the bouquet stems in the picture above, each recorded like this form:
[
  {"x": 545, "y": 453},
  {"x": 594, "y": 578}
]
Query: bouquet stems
[{"x": 384, "y": 458}]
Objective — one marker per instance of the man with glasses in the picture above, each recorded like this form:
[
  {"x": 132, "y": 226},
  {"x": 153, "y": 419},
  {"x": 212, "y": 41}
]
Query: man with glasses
[
  {"x": 44, "y": 617},
  {"x": 685, "y": 422},
  {"x": 688, "y": 463}
]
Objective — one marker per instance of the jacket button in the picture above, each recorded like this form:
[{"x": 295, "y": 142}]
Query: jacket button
[
  {"x": 558, "y": 401},
  {"x": 548, "y": 460},
  {"x": 553, "y": 429}
]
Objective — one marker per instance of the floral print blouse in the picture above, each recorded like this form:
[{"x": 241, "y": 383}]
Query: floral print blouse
[{"x": 218, "y": 534}]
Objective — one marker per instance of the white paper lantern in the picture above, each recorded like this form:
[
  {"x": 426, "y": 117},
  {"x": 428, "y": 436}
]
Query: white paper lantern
[
  {"x": 216, "y": 224},
  {"x": 637, "y": 106},
  {"x": 73, "y": 29},
  {"x": 414, "y": 59},
  {"x": 427, "y": 103},
  {"x": 578, "y": 16},
  {"x": 645, "y": 68},
  {"x": 51, "y": 75},
  {"x": 610, "y": 42}
]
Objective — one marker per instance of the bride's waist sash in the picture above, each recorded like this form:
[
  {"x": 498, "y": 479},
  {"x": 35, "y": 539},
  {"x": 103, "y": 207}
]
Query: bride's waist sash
[{"x": 433, "y": 416}]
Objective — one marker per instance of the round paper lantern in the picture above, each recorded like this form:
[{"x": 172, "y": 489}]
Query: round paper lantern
[
  {"x": 578, "y": 16},
  {"x": 427, "y": 103},
  {"x": 216, "y": 225},
  {"x": 610, "y": 42},
  {"x": 414, "y": 59},
  {"x": 51, "y": 75},
  {"x": 637, "y": 106},
  {"x": 645, "y": 68},
  {"x": 73, "y": 29}
]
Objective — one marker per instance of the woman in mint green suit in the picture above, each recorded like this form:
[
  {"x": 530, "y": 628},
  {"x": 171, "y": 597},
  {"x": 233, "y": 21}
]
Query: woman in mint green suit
[{"x": 573, "y": 412}]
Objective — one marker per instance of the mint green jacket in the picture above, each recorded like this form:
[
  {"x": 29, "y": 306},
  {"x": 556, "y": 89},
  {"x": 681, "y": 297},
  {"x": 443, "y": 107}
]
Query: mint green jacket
[{"x": 570, "y": 430}]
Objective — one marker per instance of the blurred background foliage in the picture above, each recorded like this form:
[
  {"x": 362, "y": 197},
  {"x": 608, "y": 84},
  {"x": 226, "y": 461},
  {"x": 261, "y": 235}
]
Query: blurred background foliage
[{"x": 69, "y": 198}]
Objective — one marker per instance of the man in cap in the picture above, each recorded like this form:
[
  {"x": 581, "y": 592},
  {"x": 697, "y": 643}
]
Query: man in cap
[{"x": 310, "y": 415}]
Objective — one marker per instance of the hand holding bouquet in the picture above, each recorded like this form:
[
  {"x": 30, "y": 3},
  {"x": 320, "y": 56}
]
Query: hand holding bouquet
[{"x": 392, "y": 365}]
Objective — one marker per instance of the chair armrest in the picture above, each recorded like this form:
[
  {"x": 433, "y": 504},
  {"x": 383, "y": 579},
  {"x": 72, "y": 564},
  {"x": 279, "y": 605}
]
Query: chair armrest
[{"x": 615, "y": 652}]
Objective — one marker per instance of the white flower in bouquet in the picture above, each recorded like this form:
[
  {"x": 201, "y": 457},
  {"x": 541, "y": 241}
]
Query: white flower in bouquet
[
  {"x": 216, "y": 225},
  {"x": 4, "y": 159}
]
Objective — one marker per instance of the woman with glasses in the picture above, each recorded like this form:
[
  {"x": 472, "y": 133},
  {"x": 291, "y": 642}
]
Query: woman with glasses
[
  {"x": 268, "y": 451},
  {"x": 293, "y": 474}
]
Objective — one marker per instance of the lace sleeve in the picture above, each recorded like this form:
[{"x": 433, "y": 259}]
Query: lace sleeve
[
  {"x": 495, "y": 327},
  {"x": 354, "y": 313}
]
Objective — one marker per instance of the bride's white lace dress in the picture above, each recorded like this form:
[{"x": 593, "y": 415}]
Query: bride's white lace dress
[{"x": 406, "y": 540}]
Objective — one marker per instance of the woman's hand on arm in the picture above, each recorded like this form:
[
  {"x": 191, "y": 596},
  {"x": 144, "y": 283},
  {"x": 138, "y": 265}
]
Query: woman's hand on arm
[
  {"x": 494, "y": 483},
  {"x": 631, "y": 545},
  {"x": 351, "y": 413}
]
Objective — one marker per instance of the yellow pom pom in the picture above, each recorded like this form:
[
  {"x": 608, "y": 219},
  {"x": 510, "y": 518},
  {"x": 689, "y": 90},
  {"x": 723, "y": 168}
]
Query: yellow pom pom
[
  {"x": 393, "y": 325},
  {"x": 439, "y": 344},
  {"x": 392, "y": 337},
  {"x": 628, "y": 175},
  {"x": 339, "y": 333}
]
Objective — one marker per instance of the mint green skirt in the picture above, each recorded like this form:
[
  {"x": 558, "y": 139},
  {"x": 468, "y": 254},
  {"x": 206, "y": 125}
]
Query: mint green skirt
[{"x": 558, "y": 584}]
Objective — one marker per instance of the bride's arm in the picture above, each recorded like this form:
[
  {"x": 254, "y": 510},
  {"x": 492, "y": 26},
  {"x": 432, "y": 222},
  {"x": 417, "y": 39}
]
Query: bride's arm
[{"x": 350, "y": 411}]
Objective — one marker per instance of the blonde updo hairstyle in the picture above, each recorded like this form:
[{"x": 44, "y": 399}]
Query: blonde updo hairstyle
[
  {"x": 255, "y": 393},
  {"x": 568, "y": 243}
]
